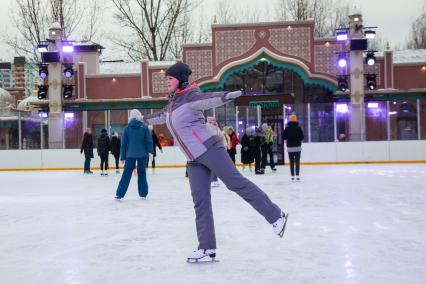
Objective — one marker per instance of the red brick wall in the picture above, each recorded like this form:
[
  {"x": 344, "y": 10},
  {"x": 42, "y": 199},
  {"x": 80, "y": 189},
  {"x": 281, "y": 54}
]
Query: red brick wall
[
  {"x": 409, "y": 77},
  {"x": 113, "y": 87}
]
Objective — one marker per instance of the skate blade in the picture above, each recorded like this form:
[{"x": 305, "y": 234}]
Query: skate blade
[
  {"x": 200, "y": 261},
  {"x": 285, "y": 224}
]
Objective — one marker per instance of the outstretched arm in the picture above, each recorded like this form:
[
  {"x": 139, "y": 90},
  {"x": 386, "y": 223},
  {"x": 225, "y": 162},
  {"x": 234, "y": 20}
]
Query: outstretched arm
[
  {"x": 203, "y": 101},
  {"x": 155, "y": 118}
]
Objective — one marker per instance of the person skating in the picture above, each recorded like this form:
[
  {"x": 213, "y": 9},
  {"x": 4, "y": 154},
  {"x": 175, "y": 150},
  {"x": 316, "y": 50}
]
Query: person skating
[
  {"x": 267, "y": 147},
  {"x": 225, "y": 133},
  {"x": 293, "y": 134},
  {"x": 247, "y": 142},
  {"x": 103, "y": 148},
  {"x": 206, "y": 154},
  {"x": 87, "y": 148},
  {"x": 115, "y": 150},
  {"x": 258, "y": 141},
  {"x": 156, "y": 143},
  {"x": 136, "y": 147},
  {"x": 233, "y": 142}
]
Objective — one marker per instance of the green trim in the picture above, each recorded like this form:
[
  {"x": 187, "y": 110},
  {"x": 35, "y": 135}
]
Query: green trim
[
  {"x": 265, "y": 104},
  {"x": 397, "y": 97},
  {"x": 282, "y": 65},
  {"x": 8, "y": 124},
  {"x": 115, "y": 106}
]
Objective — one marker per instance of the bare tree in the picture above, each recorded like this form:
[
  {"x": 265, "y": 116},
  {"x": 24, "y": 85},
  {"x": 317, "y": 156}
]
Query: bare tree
[
  {"x": 338, "y": 17},
  {"x": 32, "y": 19},
  {"x": 94, "y": 14},
  {"x": 417, "y": 38},
  {"x": 68, "y": 13},
  {"x": 153, "y": 25},
  {"x": 280, "y": 12},
  {"x": 225, "y": 12},
  {"x": 379, "y": 43},
  {"x": 181, "y": 34},
  {"x": 327, "y": 14},
  {"x": 203, "y": 33},
  {"x": 30, "y": 22}
]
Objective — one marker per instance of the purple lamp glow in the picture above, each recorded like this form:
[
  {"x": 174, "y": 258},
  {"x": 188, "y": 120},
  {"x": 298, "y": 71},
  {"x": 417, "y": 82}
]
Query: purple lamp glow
[
  {"x": 373, "y": 105},
  {"x": 69, "y": 115},
  {"x": 342, "y": 35},
  {"x": 342, "y": 108},
  {"x": 342, "y": 61},
  {"x": 68, "y": 48}
]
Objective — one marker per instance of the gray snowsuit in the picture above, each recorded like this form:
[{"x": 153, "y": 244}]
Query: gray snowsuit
[{"x": 206, "y": 153}]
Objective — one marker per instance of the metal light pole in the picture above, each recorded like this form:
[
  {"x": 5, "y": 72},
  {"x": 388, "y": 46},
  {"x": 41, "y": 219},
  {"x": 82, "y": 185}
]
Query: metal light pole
[
  {"x": 56, "y": 115},
  {"x": 356, "y": 70},
  {"x": 356, "y": 37}
]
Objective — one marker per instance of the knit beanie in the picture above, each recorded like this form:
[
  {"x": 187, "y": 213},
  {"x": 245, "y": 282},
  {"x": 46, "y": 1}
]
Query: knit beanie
[
  {"x": 211, "y": 119},
  {"x": 134, "y": 113},
  {"x": 180, "y": 71}
]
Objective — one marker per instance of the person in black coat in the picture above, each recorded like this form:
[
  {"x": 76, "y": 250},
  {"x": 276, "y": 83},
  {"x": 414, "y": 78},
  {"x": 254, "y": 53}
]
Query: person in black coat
[
  {"x": 155, "y": 143},
  {"x": 104, "y": 146},
  {"x": 293, "y": 134},
  {"x": 115, "y": 150},
  {"x": 259, "y": 140},
  {"x": 87, "y": 148},
  {"x": 247, "y": 143}
]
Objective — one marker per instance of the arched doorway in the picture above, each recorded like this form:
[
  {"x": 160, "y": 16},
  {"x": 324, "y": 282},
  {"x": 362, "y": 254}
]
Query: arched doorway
[{"x": 267, "y": 79}]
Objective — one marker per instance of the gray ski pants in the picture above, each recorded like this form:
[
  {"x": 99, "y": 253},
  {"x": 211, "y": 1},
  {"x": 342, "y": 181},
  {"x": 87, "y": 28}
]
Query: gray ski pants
[{"x": 217, "y": 160}]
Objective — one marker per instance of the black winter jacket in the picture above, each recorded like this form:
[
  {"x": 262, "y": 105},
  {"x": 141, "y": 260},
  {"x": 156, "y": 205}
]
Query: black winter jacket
[
  {"x": 247, "y": 143},
  {"x": 104, "y": 145},
  {"x": 115, "y": 145},
  {"x": 87, "y": 145},
  {"x": 293, "y": 134}
]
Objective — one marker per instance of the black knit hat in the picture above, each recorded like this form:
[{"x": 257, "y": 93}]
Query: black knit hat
[
  {"x": 104, "y": 131},
  {"x": 180, "y": 71}
]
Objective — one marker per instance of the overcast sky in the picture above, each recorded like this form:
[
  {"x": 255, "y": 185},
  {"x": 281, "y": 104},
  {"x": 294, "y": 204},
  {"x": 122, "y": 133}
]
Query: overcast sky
[{"x": 392, "y": 17}]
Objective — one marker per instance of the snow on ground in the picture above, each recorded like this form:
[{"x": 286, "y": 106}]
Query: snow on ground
[{"x": 347, "y": 224}]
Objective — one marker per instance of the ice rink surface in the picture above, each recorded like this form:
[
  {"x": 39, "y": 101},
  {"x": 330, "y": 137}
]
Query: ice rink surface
[{"x": 347, "y": 224}]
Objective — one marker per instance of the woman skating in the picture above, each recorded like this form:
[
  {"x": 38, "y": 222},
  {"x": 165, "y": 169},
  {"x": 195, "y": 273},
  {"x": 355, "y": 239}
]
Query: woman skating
[
  {"x": 136, "y": 147},
  {"x": 115, "y": 150},
  {"x": 87, "y": 148},
  {"x": 247, "y": 145},
  {"x": 233, "y": 142},
  {"x": 206, "y": 154},
  {"x": 103, "y": 147},
  {"x": 294, "y": 136}
]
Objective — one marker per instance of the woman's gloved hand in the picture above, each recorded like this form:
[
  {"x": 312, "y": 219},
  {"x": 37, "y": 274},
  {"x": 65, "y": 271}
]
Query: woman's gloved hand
[{"x": 233, "y": 95}]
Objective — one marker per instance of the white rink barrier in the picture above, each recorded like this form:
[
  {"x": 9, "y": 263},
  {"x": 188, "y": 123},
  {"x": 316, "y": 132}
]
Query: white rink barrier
[{"x": 312, "y": 153}]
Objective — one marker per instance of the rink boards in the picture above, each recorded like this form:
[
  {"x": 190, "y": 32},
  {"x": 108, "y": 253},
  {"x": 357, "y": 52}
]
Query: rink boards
[{"x": 313, "y": 153}]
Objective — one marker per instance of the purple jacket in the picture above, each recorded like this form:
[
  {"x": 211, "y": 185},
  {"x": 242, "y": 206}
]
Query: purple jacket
[{"x": 185, "y": 120}]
